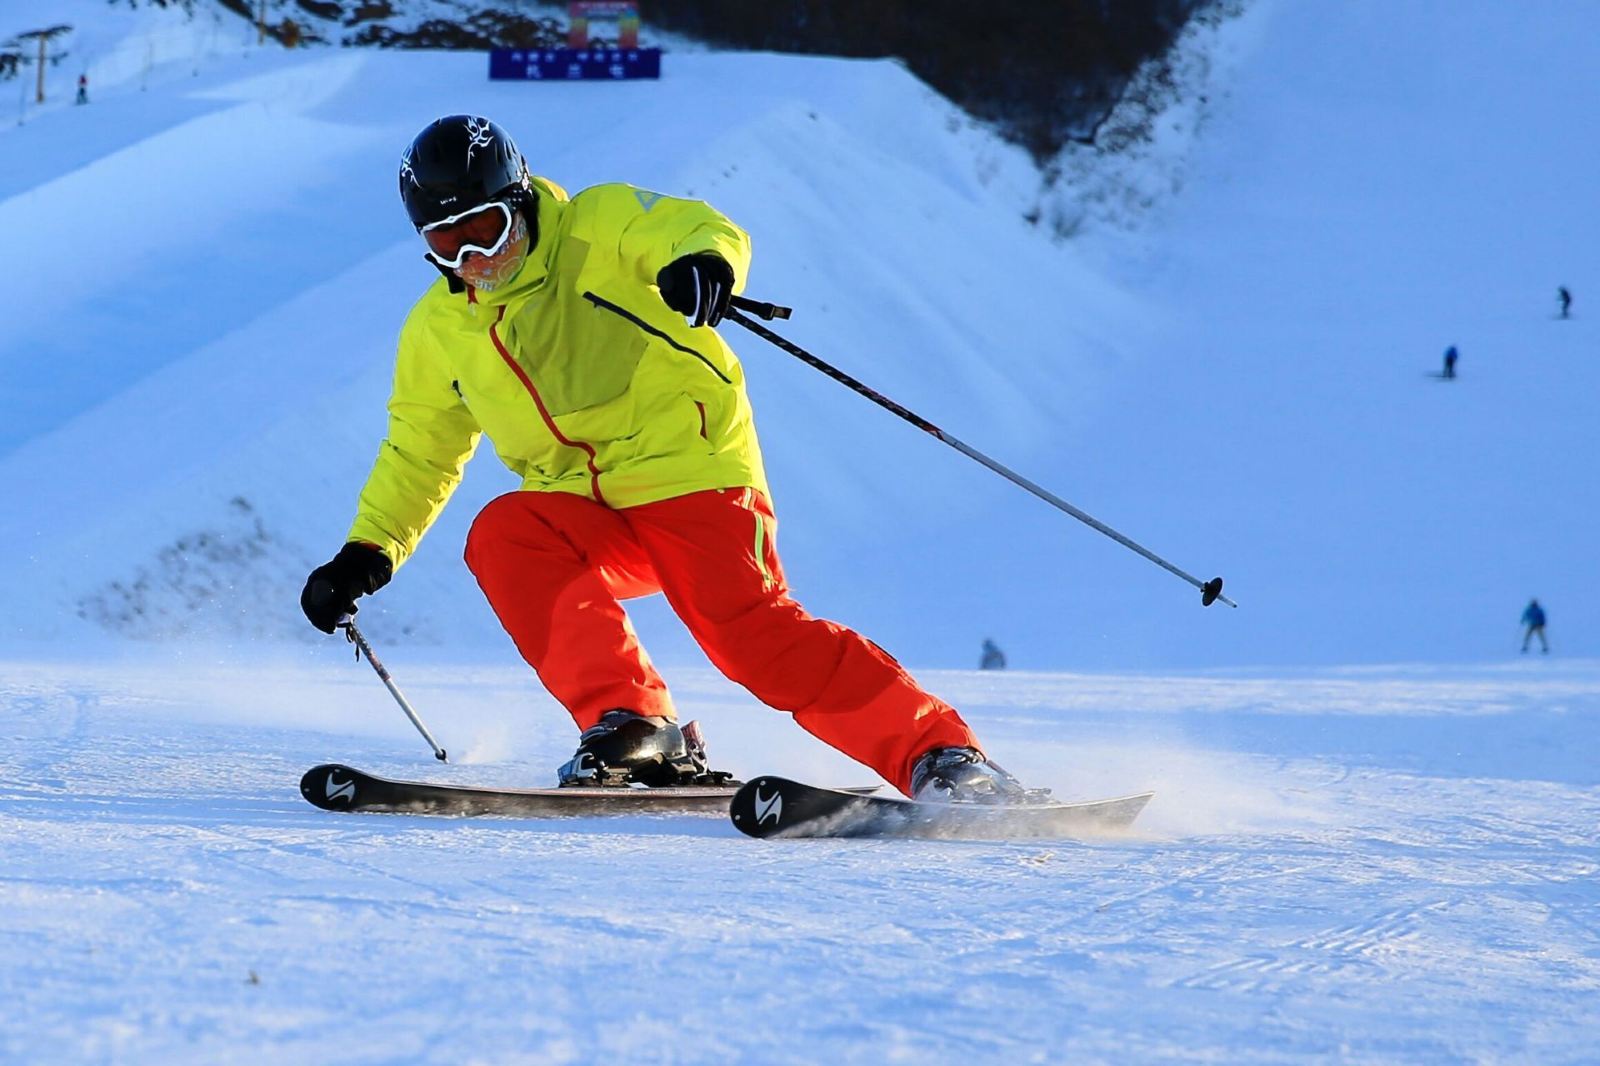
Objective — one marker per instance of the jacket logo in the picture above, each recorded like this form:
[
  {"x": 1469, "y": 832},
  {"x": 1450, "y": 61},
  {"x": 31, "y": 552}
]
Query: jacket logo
[{"x": 646, "y": 198}]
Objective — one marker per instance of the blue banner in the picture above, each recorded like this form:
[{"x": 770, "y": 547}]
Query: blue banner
[{"x": 574, "y": 64}]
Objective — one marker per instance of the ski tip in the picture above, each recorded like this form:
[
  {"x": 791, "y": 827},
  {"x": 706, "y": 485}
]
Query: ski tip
[
  {"x": 769, "y": 805},
  {"x": 774, "y": 806},
  {"x": 758, "y": 808},
  {"x": 331, "y": 786}
]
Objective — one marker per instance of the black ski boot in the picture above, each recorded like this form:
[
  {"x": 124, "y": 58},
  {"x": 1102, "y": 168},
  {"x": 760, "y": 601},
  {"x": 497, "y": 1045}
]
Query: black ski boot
[
  {"x": 625, "y": 748},
  {"x": 964, "y": 775}
]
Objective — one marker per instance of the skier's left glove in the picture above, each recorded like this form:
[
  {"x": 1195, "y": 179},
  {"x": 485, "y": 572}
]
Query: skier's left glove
[
  {"x": 331, "y": 590},
  {"x": 698, "y": 287}
]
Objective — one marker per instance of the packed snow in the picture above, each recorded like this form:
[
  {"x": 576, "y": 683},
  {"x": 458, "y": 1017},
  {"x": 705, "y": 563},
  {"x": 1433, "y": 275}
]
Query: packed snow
[
  {"x": 1373, "y": 836},
  {"x": 1358, "y": 865}
]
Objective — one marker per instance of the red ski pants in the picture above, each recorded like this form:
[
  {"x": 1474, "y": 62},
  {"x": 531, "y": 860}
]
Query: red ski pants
[{"x": 554, "y": 567}]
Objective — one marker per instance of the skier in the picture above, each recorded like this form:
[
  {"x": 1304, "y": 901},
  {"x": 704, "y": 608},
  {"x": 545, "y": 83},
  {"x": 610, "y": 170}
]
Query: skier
[
  {"x": 1533, "y": 618},
  {"x": 83, "y": 88},
  {"x": 993, "y": 658},
  {"x": 559, "y": 330},
  {"x": 1450, "y": 355},
  {"x": 1564, "y": 298}
]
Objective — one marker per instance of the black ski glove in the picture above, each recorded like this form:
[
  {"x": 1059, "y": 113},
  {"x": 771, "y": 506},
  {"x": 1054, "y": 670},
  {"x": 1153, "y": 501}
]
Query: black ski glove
[
  {"x": 331, "y": 590},
  {"x": 698, "y": 287}
]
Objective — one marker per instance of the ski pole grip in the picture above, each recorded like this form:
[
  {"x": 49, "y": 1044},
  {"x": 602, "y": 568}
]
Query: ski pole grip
[{"x": 761, "y": 309}]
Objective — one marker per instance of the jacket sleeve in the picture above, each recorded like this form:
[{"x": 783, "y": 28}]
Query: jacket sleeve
[
  {"x": 431, "y": 436},
  {"x": 657, "y": 229}
]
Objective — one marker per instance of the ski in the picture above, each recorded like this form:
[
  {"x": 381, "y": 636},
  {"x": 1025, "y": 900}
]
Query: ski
[
  {"x": 777, "y": 807},
  {"x": 334, "y": 787}
]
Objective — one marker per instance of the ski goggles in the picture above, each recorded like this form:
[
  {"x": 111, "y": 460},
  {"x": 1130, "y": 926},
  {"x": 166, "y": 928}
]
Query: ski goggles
[{"x": 483, "y": 230}]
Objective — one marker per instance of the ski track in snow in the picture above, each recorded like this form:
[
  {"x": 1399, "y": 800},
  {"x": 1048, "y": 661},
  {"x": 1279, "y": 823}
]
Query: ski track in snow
[{"x": 166, "y": 894}]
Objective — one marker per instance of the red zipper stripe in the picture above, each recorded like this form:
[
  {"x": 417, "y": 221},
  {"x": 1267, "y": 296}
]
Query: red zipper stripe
[{"x": 550, "y": 423}]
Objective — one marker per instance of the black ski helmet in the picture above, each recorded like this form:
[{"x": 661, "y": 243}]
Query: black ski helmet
[{"x": 460, "y": 162}]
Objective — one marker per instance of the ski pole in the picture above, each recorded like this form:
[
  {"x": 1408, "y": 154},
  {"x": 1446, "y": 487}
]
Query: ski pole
[
  {"x": 1210, "y": 591},
  {"x": 363, "y": 648}
]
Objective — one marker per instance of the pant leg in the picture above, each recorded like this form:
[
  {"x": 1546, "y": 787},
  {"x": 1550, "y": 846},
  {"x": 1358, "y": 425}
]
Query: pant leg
[
  {"x": 715, "y": 554},
  {"x": 554, "y": 567}
]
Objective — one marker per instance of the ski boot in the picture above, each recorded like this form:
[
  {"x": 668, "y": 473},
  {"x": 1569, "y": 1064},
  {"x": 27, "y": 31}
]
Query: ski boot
[
  {"x": 625, "y": 748},
  {"x": 964, "y": 775}
]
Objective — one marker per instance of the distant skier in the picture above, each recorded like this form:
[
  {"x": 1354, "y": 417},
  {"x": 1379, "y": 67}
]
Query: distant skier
[
  {"x": 83, "y": 88},
  {"x": 1564, "y": 298},
  {"x": 993, "y": 658},
  {"x": 1450, "y": 356},
  {"x": 558, "y": 329},
  {"x": 1533, "y": 618}
]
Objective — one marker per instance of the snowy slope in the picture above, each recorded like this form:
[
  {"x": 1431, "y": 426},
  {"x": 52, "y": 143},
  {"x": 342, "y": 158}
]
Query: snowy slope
[
  {"x": 1342, "y": 863},
  {"x": 1241, "y": 383},
  {"x": 1378, "y": 186}
]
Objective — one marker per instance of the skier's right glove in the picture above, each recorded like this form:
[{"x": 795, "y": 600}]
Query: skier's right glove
[
  {"x": 331, "y": 590},
  {"x": 698, "y": 287}
]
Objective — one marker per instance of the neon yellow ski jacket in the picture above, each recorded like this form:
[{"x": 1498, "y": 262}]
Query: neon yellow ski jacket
[{"x": 583, "y": 380}]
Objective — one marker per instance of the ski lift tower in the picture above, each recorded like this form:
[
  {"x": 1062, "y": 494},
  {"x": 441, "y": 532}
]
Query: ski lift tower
[
  {"x": 44, "y": 37},
  {"x": 579, "y": 61}
]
